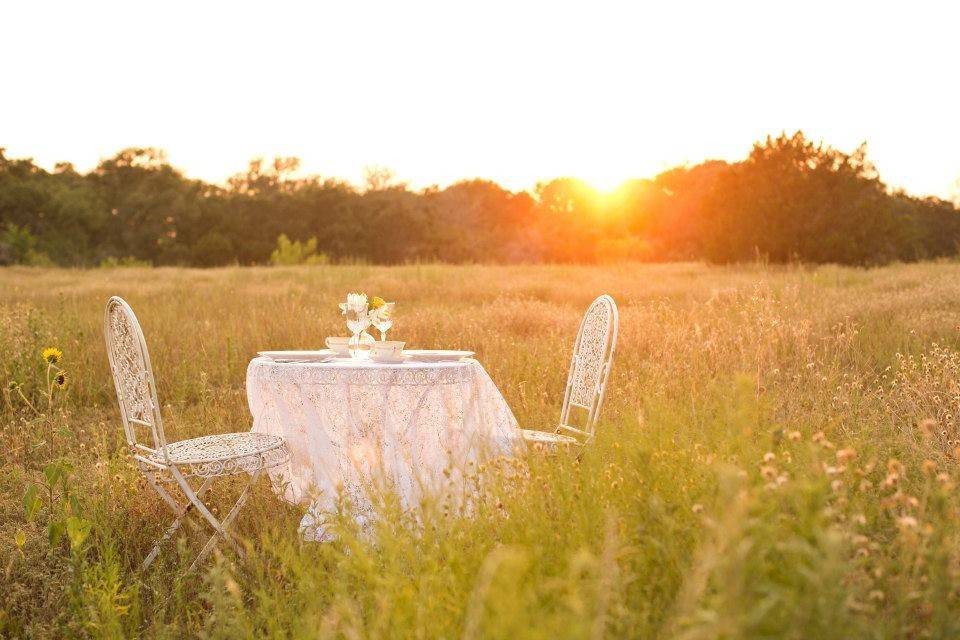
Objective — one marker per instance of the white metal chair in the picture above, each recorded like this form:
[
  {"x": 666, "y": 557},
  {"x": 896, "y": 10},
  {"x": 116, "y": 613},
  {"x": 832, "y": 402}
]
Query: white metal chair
[
  {"x": 587, "y": 381},
  {"x": 205, "y": 458}
]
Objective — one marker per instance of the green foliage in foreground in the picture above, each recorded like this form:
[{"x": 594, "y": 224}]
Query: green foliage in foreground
[{"x": 778, "y": 460}]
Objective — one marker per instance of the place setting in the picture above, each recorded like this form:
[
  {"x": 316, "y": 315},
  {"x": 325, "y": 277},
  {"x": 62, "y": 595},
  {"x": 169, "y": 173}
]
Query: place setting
[{"x": 361, "y": 348}]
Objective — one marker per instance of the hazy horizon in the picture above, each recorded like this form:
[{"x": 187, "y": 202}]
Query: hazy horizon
[{"x": 513, "y": 94}]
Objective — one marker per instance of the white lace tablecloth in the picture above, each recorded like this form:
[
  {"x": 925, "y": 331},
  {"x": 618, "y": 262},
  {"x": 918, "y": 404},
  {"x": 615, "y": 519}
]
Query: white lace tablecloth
[{"x": 350, "y": 423}]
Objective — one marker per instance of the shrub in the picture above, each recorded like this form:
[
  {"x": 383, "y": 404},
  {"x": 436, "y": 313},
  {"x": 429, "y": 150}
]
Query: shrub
[
  {"x": 296, "y": 252},
  {"x": 19, "y": 246},
  {"x": 129, "y": 261}
]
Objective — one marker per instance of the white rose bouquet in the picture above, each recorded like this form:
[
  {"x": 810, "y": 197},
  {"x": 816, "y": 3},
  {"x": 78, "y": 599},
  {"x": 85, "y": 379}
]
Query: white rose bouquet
[{"x": 356, "y": 308}]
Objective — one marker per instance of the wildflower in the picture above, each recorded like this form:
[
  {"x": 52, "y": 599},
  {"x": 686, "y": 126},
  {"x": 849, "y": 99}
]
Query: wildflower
[
  {"x": 376, "y": 302},
  {"x": 877, "y": 595},
  {"x": 895, "y": 466},
  {"x": 928, "y": 466},
  {"x": 60, "y": 380},
  {"x": 52, "y": 355},
  {"x": 793, "y": 436},
  {"x": 907, "y": 522},
  {"x": 13, "y": 385},
  {"x": 232, "y": 587},
  {"x": 836, "y": 485},
  {"x": 769, "y": 456},
  {"x": 844, "y": 455},
  {"x": 768, "y": 472},
  {"x": 821, "y": 438},
  {"x": 697, "y": 508},
  {"x": 943, "y": 477}
]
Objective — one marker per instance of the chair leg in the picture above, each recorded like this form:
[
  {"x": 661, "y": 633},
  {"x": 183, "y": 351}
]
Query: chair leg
[
  {"x": 176, "y": 506},
  {"x": 220, "y": 528},
  {"x": 181, "y": 515}
]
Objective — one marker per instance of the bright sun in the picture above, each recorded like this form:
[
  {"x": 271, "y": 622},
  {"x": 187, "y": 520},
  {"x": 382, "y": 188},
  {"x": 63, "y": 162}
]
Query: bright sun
[{"x": 605, "y": 184}]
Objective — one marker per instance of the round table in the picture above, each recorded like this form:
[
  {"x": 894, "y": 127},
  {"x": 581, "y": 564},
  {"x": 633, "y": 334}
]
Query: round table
[{"x": 355, "y": 425}]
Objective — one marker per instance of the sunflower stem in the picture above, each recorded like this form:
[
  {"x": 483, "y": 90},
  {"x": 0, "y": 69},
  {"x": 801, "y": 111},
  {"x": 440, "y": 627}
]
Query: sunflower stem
[{"x": 24, "y": 398}]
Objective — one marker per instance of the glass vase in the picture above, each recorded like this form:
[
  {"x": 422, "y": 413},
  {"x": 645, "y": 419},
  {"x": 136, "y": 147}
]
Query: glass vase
[{"x": 359, "y": 344}]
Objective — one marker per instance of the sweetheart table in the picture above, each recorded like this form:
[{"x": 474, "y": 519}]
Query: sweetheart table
[{"x": 354, "y": 424}]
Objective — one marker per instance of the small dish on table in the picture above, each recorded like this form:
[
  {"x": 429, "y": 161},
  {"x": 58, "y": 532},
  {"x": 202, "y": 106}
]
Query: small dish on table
[
  {"x": 299, "y": 356},
  {"x": 437, "y": 355},
  {"x": 338, "y": 344},
  {"x": 387, "y": 351}
]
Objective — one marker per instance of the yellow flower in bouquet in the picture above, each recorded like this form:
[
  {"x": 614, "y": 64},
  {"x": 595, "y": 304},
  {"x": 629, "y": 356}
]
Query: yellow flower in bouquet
[{"x": 376, "y": 302}]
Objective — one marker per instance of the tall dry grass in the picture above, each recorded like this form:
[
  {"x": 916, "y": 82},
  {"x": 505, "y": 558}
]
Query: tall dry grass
[{"x": 778, "y": 458}]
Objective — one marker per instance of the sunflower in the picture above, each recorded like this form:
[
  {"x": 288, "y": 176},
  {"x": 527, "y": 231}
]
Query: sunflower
[
  {"x": 61, "y": 380},
  {"x": 52, "y": 355}
]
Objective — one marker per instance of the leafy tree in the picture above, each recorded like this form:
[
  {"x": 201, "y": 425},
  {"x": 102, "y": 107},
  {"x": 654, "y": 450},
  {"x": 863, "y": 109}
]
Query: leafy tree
[
  {"x": 794, "y": 200},
  {"x": 790, "y": 199}
]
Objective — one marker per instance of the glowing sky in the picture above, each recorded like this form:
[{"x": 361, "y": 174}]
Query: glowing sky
[{"x": 512, "y": 91}]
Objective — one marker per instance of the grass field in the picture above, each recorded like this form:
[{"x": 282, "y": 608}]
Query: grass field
[{"x": 778, "y": 458}]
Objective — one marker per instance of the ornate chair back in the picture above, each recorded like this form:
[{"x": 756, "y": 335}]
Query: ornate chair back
[
  {"x": 590, "y": 367},
  {"x": 133, "y": 378}
]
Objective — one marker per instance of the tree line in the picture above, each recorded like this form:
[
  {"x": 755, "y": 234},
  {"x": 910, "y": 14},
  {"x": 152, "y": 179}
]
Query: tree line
[{"x": 789, "y": 200}]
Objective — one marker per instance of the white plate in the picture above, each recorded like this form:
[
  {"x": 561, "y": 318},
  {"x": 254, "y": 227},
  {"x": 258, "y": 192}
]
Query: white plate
[
  {"x": 309, "y": 356},
  {"x": 437, "y": 355},
  {"x": 387, "y": 359}
]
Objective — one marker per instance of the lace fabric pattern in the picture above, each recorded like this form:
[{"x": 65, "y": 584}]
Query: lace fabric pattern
[{"x": 413, "y": 427}]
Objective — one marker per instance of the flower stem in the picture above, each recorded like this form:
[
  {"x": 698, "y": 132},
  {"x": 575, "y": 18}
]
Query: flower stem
[
  {"x": 49, "y": 387},
  {"x": 24, "y": 398}
]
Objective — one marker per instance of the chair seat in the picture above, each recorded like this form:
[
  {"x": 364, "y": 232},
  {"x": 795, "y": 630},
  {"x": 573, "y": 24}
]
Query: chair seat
[
  {"x": 225, "y": 454},
  {"x": 547, "y": 438}
]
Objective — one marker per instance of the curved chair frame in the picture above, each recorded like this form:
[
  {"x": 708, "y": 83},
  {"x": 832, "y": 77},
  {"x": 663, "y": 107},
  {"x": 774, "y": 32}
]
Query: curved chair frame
[
  {"x": 602, "y": 318},
  {"x": 593, "y": 353},
  {"x": 139, "y": 408}
]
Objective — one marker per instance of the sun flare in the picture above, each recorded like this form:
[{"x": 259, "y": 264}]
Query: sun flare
[{"x": 606, "y": 184}]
